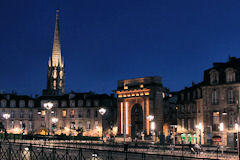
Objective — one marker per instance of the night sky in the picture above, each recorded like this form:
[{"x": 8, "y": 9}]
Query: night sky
[{"x": 108, "y": 40}]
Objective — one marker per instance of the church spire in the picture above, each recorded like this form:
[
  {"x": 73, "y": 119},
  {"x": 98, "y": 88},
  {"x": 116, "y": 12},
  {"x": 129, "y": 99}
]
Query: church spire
[
  {"x": 56, "y": 52},
  {"x": 55, "y": 76}
]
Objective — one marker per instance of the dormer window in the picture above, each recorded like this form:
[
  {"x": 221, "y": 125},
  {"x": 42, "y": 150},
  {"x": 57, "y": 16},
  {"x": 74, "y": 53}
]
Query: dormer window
[
  {"x": 31, "y": 103},
  {"x": 12, "y": 103},
  {"x": 80, "y": 103},
  {"x": 96, "y": 103},
  {"x": 3, "y": 103},
  {"x": 22, "y": 103},
  {"x": 230, "y": 75},
  {"x": 88, "y": 103},
  {"x": 214, "y": 77},
  {"x": 63, "y": 104},
  {"x": 72, "y": 103}
]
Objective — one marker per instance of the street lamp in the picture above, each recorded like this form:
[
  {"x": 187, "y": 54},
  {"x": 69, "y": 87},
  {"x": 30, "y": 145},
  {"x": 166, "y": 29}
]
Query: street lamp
[
  {"x": 199, "y": 127},
  {"x": 6, "y": 116},
  {"x": 150, "y": 118},
  {"x": 54, "y": 121},
  {"x": 174, "y": 129},
  {"x": 47, "y": 106},
  {"x": 237, "y": 129},
  {"x": 102, "y": 111}
]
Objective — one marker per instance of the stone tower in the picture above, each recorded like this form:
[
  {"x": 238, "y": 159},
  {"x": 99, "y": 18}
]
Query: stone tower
[{"x": 55, "y": 76}]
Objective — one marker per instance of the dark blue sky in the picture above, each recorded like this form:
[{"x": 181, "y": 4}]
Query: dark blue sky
[{"x": 109, "y": 40}]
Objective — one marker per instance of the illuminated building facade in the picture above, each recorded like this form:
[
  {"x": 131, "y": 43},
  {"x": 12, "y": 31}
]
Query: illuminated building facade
[
  {"x": 140, "y": 106},
  {"x": 73, "y": 111},
  {"x": 190, "y": 114},
  {"x": 210, "y": 109}
]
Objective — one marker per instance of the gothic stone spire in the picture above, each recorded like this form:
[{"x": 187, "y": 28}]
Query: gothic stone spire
[
  {"x": 56, "y": 52},
  {"x": 55, "y": 77}
]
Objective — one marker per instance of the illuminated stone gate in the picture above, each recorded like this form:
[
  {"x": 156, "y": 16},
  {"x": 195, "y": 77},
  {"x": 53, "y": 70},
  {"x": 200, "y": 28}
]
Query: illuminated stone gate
[{"x": 138, "y": 100}]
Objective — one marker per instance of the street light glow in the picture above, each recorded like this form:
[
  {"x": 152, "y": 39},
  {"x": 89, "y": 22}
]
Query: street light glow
[
  {"x": 102, "y": 111},
  {"x": 6, "y": 116},
  {"x": 150, "y": 117},
  {"x": 153, "y": 126},
  {"x": 199, "y": 126},
  {"x": 54, "y": 120},
  {"x": 48, "y": 105},
  {"x": 236, "y": 126},
  {"x": 221, "y": 126}
]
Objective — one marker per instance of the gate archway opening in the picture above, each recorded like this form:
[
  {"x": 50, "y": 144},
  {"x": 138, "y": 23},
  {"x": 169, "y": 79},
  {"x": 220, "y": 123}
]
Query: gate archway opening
[{"x": 136, "y": 121}]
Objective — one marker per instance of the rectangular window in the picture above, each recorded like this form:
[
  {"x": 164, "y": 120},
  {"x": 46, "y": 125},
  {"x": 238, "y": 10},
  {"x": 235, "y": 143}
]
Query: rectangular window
[
  {"x": 182, "y": 124},
  {"x": 215, "y": 121},
  {"x": 30, "y": 125},
  {"x": 72, "y": 114},
  {"x": 80, "y": 114},
  {"x": 230, "y": 96},
  {"x": 30, "y": 114},
  {"x": 88, "y": 113},
  {"x": 96, "y": 114},
  {"x": 64, "y": 113},
  {"x": 214, "y": 97},
  {"x": 12, "y": 114},
  {"x": 20, "y": 124},
  {"x": 43, "y": 113},
  {"x": 88, "y": 125},
  {"x": 21, "y": 114},
  {"x": 12, "y": 125},
  {"x": 72, "y": 126}
]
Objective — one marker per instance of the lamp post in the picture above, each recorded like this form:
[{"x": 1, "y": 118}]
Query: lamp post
[
  {"x": 174, "y": 128},
  {"x": 238, "y": 144},
  {"x": 47, "y": 106},
  {"x": 6, "y": 116},
  {"x": 150, "y": 118},
  {"x": 54, "y": 121},
  {"x": 199, "y": 127},
  {"x": 102, "y": 111}
]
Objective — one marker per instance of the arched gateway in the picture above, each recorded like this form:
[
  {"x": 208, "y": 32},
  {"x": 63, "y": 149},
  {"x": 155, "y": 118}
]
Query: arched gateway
[{"x": 137, "y": 100}]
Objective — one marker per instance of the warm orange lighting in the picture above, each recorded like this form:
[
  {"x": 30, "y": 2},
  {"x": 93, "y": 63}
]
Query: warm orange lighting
[
  {"x": 43, "y": 113},
  {"x": 129, "y": 95},
  {"x": 137, "y": 94},
  {"x": 121, "y": 117},
  {"x": 146, "y": 93},
  {"x": 119, "y": 96},
  {"x": 125, "y": 87},
  {"x": 141, "y": 94},
  {"x": 124, "y": 95},
  {"x": 64, "y": 113},
  {"x": 141, "y": 86},
  {"x": 126, "y": 111},
  {"x": 133, "y": 94}
]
